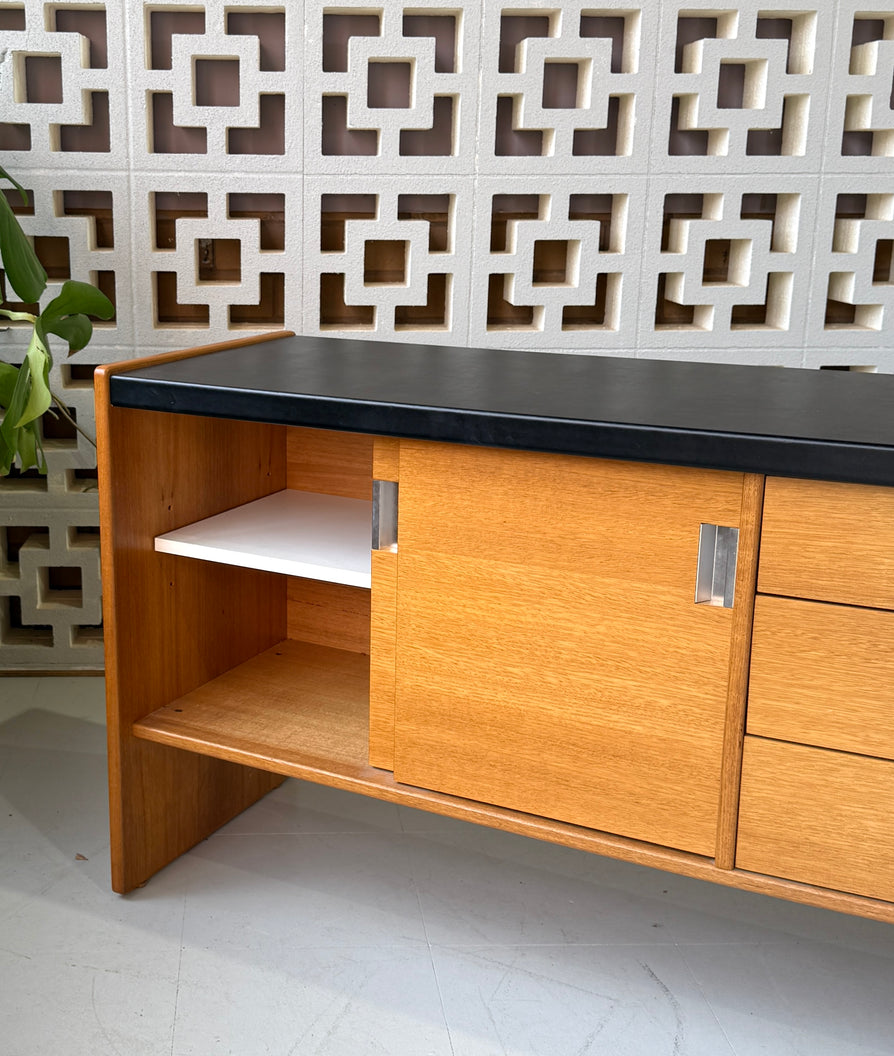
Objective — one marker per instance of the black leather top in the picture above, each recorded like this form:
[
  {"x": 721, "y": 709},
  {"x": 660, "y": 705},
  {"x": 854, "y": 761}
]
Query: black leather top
[{"x": 834, "y": 425}]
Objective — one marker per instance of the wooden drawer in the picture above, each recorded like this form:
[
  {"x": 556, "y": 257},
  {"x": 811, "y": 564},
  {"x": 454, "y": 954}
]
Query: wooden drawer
[
  {"x": 817, "y": 816},
  {"x": 828, "y": 541},
  {"x": 823, "y": 675}
]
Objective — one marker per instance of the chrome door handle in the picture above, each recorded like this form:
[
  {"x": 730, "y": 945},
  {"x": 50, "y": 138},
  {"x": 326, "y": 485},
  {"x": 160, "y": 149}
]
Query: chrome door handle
[
  {"x": 715, "y": 577},
  {"x": 384, "y": 515}
]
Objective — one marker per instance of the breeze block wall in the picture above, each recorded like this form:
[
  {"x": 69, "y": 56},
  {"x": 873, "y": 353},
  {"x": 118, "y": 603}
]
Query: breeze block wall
[{"x": 668, "y": 180}]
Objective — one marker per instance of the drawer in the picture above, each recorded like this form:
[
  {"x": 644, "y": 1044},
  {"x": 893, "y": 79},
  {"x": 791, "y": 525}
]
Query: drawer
[
  {"x": 817, "y": 816},
  {"x": 828, "y": 541},
  {"x": 823, "y": 675}
]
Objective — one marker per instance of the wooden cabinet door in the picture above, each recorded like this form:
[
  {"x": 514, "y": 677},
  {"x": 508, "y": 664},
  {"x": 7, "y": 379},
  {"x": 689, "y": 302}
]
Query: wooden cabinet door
[{"x": 550, "y": 656}]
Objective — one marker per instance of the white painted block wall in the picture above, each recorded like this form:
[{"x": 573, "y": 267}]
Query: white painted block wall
[{"x": 666, "y": 180}]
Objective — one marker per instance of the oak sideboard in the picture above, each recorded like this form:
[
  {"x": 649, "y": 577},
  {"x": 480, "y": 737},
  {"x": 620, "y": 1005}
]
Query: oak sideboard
[{"x": 641, "y": 608}]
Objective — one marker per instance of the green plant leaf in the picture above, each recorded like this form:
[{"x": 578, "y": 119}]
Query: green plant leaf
[
  {"x": 8, "y": 377},
  {"x": 23, "y": 193},
  {"x": 23, "y": 270},
  {"x": 38, "y": 361},
  {"x": 66, "y": 315},
  {"x": 18, "y": 317},
  {"x": 30, "y": 451},
  {"x": 75, "y": 330},
  {"x": 16, "y": 441}
]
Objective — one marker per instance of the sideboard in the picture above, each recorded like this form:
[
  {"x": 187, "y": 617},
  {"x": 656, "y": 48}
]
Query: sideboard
[{"x": 640, "y": 608}]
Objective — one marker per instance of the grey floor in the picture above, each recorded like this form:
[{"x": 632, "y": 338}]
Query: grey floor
[{"x": 324, "y": 923}]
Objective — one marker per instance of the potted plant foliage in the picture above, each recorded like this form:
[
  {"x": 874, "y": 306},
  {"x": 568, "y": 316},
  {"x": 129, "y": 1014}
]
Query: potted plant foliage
[{"x": 25, "y": 394}]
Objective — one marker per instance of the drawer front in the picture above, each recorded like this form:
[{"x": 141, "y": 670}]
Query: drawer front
[
  {"x": 828, "y": 541},
  {"x": 823, "y": 675},
  {"x": 818, "y": 817}
]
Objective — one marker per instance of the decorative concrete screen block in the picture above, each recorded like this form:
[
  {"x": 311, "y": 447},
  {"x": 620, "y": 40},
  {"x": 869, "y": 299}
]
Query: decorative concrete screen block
[
  {"x": 566, "y": 89},
  {"x": 214, "y": 255},
  {"x": 61, "y": 103},
  {"x": 853, "y": 297},
  {"x": 388, "y": 257},
  {"x": 391, "y": 88},
  {"x": 212, "y": 84},
  {"x": 553, "y": 259},
  {"x": 657, "y": 179},
  {"x": 737, "y": 88},
  {"x": 730, "y": 259}
]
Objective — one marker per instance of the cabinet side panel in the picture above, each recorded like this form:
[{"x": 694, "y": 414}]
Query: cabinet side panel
[
  {"x": 551, "y": 657},
  {"x": 174, "y": 623}
]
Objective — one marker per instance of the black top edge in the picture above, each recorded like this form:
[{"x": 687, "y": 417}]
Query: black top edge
[{"x": 832, "y": 425}]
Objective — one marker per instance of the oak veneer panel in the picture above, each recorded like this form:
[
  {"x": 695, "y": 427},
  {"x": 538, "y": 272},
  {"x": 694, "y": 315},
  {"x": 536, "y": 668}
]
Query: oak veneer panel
[
  {"x": 823, "y": 675},
  {"x": 386, "y": 458},
  {"x": 817, "y": 816},
  {"x": 175, "y": 623},
  {"x": 330, "y": 614},
  {"x": 294, "y": 704},
  {"x": 740, "y": 655},
  {"x": 828, "y": 542},
  {"x": 329, "y": 462},
  {"x": 382, "y": 658},
  {"x": 550, "y": 656}
]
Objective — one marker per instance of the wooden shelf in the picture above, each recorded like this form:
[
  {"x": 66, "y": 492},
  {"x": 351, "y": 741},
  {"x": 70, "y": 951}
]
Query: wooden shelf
[
  {"x": 295, "y": 709},
  {"x": 298, "y": 533}
]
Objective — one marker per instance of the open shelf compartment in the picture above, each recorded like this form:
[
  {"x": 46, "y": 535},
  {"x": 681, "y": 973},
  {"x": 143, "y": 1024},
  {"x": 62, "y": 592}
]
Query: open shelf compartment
[
  {"x": 293, "y": 708},
  {"x": 298, "y": 533}
]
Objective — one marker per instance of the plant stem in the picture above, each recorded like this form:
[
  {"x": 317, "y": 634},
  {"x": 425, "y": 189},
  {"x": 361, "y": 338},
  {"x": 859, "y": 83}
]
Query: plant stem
[{"x": 63, "y": 410}]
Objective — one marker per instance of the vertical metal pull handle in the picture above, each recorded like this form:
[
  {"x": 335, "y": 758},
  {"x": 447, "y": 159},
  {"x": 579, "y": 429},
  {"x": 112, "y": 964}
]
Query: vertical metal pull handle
[
  {"x": 715, "y": 577},
  {"x": 384, "y": 515}
]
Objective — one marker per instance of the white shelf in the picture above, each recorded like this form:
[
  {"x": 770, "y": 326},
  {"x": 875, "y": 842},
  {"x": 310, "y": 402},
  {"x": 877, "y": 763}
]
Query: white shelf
[{"x": 298, "y": 533}]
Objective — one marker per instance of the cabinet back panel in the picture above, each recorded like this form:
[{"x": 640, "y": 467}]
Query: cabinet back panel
[
  {"x": 330, "y": 614},
  {"x": 329, "y": 462}
]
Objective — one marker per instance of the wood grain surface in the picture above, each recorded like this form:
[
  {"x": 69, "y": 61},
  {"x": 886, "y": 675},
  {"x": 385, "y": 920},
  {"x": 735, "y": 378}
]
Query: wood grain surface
[
  {"x": 329, "y": 462},
  {"x": 550, "y": 654},
  {"x": 329, "y": 614},
  {"x": 828, "y": 542},
  {"x": 823, "y": 675},
  {"x": 173, "y": 623},
  {"x": 817, "y": 816},
  {"x": 740, "y": 654},
  {"x": 382, "y": 658}
]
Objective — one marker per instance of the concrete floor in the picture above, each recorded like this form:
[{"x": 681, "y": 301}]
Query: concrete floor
[{"x": 323, "y": 923}]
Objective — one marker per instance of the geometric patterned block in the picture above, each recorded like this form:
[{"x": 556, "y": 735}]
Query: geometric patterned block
[
  {"x": 564, "y": 90},
  {"x": 731, "y": 267},
  {"x": 396, "y": 83},
  {"x": 59, "y": 93},
  {"x": 741, "y": 85},
  {"x": 221, "y": 260},
  {"x": 861, "y": 277},
  {"x": 555, "y": 264},
  {"x": 387, "y": 261},
  {"x": 50, "y": 597},
  {"x": 661, "y": 180},
  {"x": 214, "y": 81}
]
